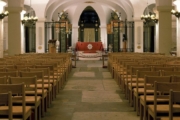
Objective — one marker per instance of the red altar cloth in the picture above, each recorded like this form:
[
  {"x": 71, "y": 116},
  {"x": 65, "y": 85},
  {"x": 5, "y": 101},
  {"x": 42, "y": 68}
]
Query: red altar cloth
[{"x": 83, "y": 46}]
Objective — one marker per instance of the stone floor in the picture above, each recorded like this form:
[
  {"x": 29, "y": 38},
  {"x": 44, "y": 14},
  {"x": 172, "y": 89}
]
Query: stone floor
[{"x": 90, "y": 94}]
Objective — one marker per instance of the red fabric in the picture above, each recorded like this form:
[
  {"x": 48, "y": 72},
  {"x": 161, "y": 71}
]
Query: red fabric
[{"x": 82, "y": 46}]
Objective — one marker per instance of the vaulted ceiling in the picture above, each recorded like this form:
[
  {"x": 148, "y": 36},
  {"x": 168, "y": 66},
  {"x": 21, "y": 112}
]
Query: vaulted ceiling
[{"x": 50, "y": 8}]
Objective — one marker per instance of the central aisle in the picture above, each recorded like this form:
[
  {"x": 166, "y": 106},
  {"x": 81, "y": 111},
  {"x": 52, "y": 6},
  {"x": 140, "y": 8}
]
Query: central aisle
[{"x": 90, "y": 94}]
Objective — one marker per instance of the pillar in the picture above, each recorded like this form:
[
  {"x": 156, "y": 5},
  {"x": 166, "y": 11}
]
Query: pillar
[
  {"x": 22, "y": 34},
  {"x": 138, "y": 35},
  {"x": 1, "y": 39},
  {"x": 164, "y": 28},
  {"x": 104, "y": 36},
  {"x": 40, "y": 34},
  {"x": 75, "y": 36},
  {"x": 5, "y": 33},
  {"x": 178, "y": 37},
  {"x": 14, "y": 29}
]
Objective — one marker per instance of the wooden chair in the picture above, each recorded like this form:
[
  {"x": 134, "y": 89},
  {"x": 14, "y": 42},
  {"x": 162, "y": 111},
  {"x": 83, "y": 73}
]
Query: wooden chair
[
  {"x": 41, "y": 91},
  {"x": 131, "y": 83},
  {"x": 137, "y": 91},
  {"x": 2, "y": 69},
  {"x": 147, "y": 95},
  {"x": 173, "y": 98},
  {"x": 12, "y": 74},
  {"x": 170, "y": 73},
  {"x": 7, "y": 66},
  {"x": 23, "y": 111},
  {"x": 34, "y": 101},
  {"x": 49, "y": 85},
  {"x": 6, "y": 100},
  {"x": 160, "y": 89},
  {"x": 163, "y": 68},
  {"x": 56, "y": 76},
  {"x": 3, "y": 80},
  {"x": 9, "y": 74}
]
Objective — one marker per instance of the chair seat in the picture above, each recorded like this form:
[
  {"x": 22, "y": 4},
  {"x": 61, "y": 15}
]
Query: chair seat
[
  {"x": 134, "y": 85},
  {"x": 150, "y": 99},
  {"x": 50, "y": 81},
  {"x": 39, "y": 92},
  {"x": 17, "y": 110},
  {"x": 162, "y": 108},
  {"x": 127, "y": 80},
  {"x": 46, "y": 86},
  {"x": 141, "y": 91},
  {"x": 55, "y": 77},
  {"x": 29, "y": 100},
  {"x": 8, "y": 119},
  {"x": 167, "y": 118}
]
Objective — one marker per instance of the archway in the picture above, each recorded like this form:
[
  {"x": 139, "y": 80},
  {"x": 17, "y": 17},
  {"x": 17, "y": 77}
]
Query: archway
[{"x": 89, "y": 25}]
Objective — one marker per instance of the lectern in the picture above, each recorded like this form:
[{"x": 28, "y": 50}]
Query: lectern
[{"x": 52, "y": 46}]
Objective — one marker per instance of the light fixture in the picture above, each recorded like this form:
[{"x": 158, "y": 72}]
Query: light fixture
[
  {"x": 149, "y": 16},
  {"x": 3, "y": 14},
  {"x": 116, "y": 15},
  {"x": 62, "y": 16},
  {"x": 29, "y": 19},
  {"x": 176, "y": 12}
]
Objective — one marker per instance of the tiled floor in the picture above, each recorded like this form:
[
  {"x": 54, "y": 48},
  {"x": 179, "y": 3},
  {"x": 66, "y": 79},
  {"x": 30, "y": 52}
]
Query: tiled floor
[{"x": 90, "y": 94}]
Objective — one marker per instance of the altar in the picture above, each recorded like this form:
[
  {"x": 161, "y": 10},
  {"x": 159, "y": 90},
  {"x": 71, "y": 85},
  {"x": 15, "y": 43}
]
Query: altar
[{"x": 89, "y": 47}]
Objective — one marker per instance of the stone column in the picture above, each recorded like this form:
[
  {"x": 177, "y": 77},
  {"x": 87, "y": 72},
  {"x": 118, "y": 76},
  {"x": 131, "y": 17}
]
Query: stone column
[
  {"x": 156, "y": 42},
  {"x": 164, "y": 27},
  {"x": 138, "y": 35},
  {"x": 22, "y": 34},
  {"x": 40, "y": 33},
  {"x": 178, "y": 37},
  {"x": 75, "y": 36},
  {"x": 104, "y": 36},
  {"x": 1, "y": 39},
  {"x": 14, "y": 30},
  {"x": 5, "y": 33}
]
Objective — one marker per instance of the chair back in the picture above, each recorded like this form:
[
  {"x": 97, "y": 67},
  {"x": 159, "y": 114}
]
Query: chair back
[
  {"x": 3, "y": 80},
  {"x": 155, "y": 68},
  {"x": 6, "y": 99},
  {"x": 39, "y": 76},
  {"x": 160, "y": 92},
  {"x": 170, "y": 73},
  {"x": 16, "y": 89},
  {"x": 174, "y": 98},
  {"x": 28, "y": 81},
  {"x": 149, "y": 85}
]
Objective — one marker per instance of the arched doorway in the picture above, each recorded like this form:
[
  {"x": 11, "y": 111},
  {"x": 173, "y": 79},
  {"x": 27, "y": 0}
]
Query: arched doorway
[{"x": 89, "y": 25}]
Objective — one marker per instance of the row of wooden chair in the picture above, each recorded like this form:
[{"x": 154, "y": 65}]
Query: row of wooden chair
[
  {"x": 40, "y": 85},
  {"x": 130, "y": 75}
]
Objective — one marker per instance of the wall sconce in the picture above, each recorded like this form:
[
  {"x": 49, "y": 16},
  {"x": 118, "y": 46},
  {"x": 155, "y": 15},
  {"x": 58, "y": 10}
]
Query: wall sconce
[{"x": 3, "y": 14}]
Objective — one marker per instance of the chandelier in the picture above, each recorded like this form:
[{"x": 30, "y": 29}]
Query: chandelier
[
  {"x": 149, "y": 16},
  {"x": 176, "y": 12},
  {"x": 3, "y": 14},
  {"x": 29, "y": 19}
]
